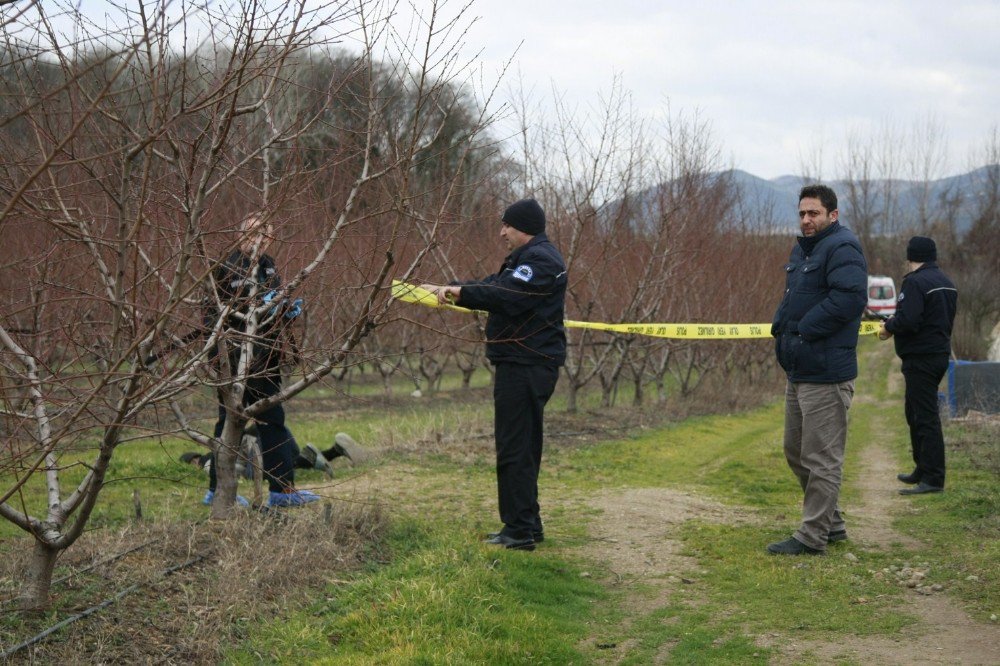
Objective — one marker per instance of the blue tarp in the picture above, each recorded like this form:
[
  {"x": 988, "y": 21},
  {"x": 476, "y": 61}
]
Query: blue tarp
[{"x": 973, "y": 385}]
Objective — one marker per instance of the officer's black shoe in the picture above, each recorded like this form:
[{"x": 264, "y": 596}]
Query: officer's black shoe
[
  {"x": 920, "y": 489},
  {"x": 912, "y": 479},
  {"x": 511, "y": 543},
  {"x": 537, "y": 537},
  {"x": 835, "y": 536},
  {"x": 792, "y": 546}
]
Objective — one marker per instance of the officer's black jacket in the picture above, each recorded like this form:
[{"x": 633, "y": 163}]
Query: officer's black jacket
[
  {"x": 235, "y": 282},
  {"x": 925, "y": 312},
  {"x": 526, "y": 305},
  {"x": 817, "y": 322}
]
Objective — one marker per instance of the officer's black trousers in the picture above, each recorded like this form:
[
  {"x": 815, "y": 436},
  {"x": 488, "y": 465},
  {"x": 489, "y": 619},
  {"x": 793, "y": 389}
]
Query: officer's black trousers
[
  {"x": 519, "y": 396},
  {"x": 278, "y": 449},
  {"x": 923, "y": 373}
]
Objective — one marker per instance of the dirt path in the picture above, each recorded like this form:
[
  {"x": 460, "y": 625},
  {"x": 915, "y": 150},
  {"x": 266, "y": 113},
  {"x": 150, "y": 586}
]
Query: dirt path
[
  {"x": 944, "y": 633},
  {"x": 870, "y": 521},
  {"x": 633, "y": 535}
]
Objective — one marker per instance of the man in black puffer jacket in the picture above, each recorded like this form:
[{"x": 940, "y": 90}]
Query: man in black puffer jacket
[
  {"x": 526, "y": 342},
  {"x": 921, "y": 327},
  {"x": 816, "y": 330}
]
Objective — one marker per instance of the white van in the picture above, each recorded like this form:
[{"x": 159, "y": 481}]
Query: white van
[{"x": 881, "y": 297}]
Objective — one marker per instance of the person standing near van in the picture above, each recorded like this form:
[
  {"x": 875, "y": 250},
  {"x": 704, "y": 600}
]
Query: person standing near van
[
  {"x": 921, "y": 331},
  {"x": 816, "y": 338}
]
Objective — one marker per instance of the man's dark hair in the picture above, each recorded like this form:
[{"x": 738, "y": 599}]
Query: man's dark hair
[{"x": 826, "y": 196}]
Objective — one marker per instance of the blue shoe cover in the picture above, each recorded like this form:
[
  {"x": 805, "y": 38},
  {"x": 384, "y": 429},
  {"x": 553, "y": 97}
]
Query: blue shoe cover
[
  {"x": 210, "y": 497},
  {"x": 294, "y": 498}
]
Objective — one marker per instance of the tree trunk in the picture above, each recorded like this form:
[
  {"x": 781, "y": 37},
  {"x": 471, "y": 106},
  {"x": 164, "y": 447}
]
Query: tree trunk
[
  {"x": 661, "y": 389},
  {"x": 571, "y": 392},
  {"x": 607, "y": 386},
  {"x": 38, "y": 578},
  {"x": 637, "y": 397},
  {"x": 224, "y": 505}
]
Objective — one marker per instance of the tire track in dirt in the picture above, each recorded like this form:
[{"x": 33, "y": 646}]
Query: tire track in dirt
[
  {"x": 632, "y": 538},
  {"x": 945, "y": 633}
]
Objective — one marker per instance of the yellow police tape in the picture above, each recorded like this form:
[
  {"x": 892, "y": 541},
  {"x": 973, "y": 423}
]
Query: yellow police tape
[{"x": 413, "y": 294}]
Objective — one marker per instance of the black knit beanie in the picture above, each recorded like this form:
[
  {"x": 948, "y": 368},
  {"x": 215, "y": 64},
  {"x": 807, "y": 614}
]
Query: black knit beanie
[
  {"x": 525, "y": 215},
  {"x": 921, "y": 249}
]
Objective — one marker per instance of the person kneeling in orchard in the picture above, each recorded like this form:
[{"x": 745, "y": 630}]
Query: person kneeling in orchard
[{"x": 309, "y": 457}]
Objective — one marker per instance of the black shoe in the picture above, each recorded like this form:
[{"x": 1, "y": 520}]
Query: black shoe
[
  {"x": 191, "y": 458},
  {"x": 317, "y": 459},
  {"x": 511, "y": 543},
  {"x": 912, "y": 479},
  {"x": 838, "y": 535},
  {"x": 537, "y": 537},
  {"x": 346, "y": 446},
  {"x": 337, "y": 451},
  {"x": 792, "y": 546},
  {"x": 920, "y": 489}
]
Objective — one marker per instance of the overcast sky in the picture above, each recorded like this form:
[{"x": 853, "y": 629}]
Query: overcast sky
[{"x": 776, "y": 78}]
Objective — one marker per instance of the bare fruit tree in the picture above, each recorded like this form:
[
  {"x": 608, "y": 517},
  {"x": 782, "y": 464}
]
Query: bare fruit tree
[
  {"x": 133, "y": 154},
  {"x": 634, "y": 208}
]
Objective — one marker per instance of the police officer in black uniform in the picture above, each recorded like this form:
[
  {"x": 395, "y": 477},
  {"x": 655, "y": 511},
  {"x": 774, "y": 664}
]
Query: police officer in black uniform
[
  {"x": 526, "y": 342},
  {"x": 921, "y": 329},
  {"x": 243, "y": 282}
]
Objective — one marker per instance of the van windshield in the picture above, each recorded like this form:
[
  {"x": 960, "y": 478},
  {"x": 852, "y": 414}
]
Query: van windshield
[{"x": 881, "y": 292}]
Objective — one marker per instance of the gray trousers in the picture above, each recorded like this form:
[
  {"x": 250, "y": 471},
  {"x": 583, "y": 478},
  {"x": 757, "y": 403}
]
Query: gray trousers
[{"x": 815, "y": 438}]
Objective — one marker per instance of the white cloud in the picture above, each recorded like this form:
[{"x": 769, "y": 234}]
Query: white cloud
[
  {"x": 771, "y": 76},
  {"x": 776, "y": 78}
]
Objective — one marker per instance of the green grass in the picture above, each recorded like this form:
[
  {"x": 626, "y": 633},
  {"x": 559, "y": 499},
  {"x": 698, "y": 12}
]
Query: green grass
[
  {"x": 813, "y": 595},
  {"x": 737, "y": 459},
  {"x": 167, "y": 489},
  {"x": 443, "y": 599},
  {"x": 961, "y": 526},
  {"x": 432, "y": 594},
  {"x": 170, "y": 490}
]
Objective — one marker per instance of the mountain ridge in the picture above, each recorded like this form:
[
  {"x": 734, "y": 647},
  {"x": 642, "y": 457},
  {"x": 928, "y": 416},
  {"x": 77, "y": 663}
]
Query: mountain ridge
[{"x": 956, "y": 196}]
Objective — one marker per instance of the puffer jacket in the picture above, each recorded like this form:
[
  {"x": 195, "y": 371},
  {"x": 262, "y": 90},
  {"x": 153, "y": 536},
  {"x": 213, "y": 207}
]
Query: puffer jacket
[
  {"x": 526, "y": 305},
  {"x": 816, "y": 325}
]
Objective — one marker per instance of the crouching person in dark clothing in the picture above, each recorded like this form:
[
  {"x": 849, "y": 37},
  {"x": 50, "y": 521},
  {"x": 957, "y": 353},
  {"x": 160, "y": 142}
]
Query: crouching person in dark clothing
[
  {"x": 309, "y": 457},
  {"x": 921, "y": 328},
  {"x": 526, "y": 342}
]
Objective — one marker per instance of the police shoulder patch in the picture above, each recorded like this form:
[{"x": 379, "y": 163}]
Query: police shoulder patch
[{"x": 524, "y": 273}]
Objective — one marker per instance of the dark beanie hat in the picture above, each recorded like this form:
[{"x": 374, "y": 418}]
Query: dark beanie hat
[
  {"x": 921, "y": 249},
  {"x": 525, "y": 215}
]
